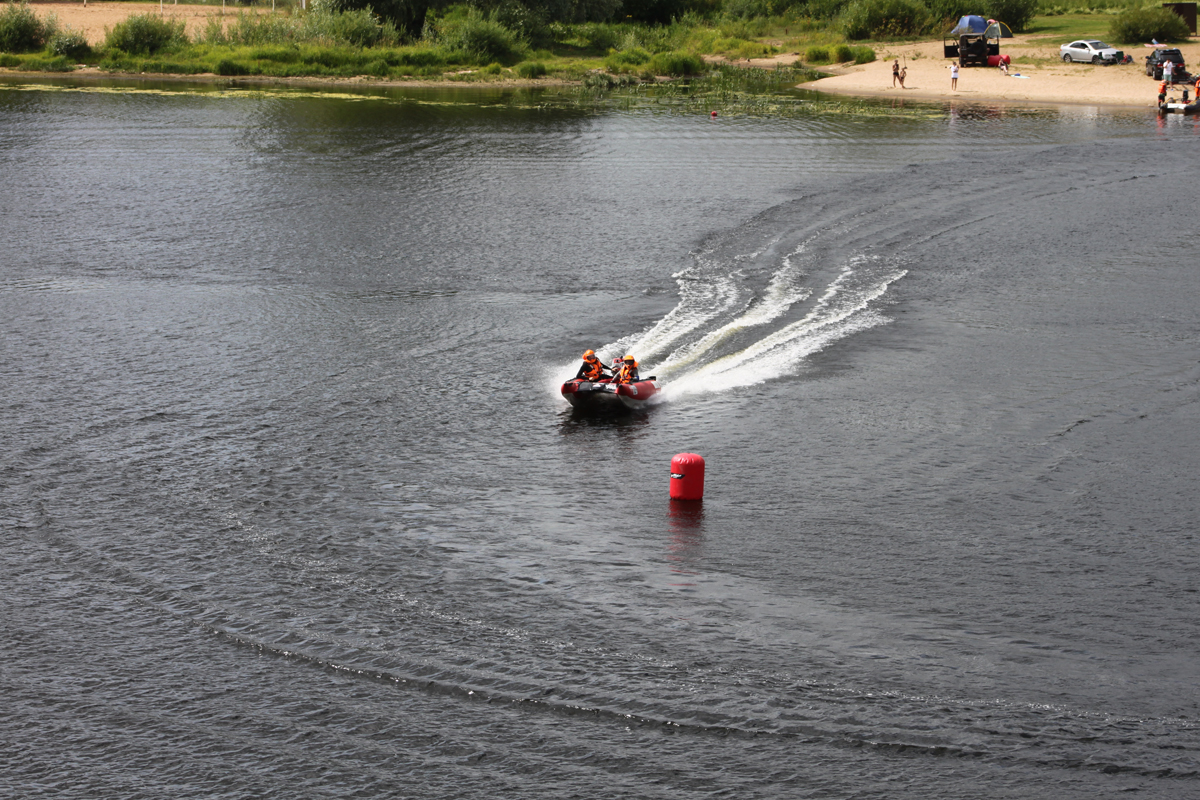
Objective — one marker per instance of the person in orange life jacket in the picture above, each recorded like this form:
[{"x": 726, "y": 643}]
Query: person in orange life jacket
[
  {"x": 592, "y": 368},
  {"x": 628, "y": 372}
]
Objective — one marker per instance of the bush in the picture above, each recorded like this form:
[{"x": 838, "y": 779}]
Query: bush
[
  {"x": 253, "y": 29},
  {"x": 71, "y": 44},
  {"x": 599, "y": 37},
  {"x": 943, "y": 14},
  {"x": 863, "y": 54},
  {"x": 145, "y": 34},
  {"x": 817, "y": 54},
  {"x": 841, "y": 53},
  {"x": 531, "y": 69},
  {"x": 39, "y": 64},
  {"x": 357, "y": 28},
  {"x": 1015, "y": 13},
  {"x": 677, "y": 64},
  {"x": 825, "y": 9},
  {"x": 21, "y": 31},
  {"x": 476, "y": 36},
  {"x": 884, "y": 19},
  {"x": 7, "y": 61},
  {"x": 229, "y": 67},
  {"x": 1144, "y": 24},
  {"x": 421, "y": 58},
  {"x": 626, "y": 60}
]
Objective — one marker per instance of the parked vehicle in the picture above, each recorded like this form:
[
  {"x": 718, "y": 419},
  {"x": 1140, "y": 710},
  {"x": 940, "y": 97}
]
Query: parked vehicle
[
  {"x": 973, "y": 40},
  {"x": 1091, "y": 50},
  {"x": 1155, "y": 60}
]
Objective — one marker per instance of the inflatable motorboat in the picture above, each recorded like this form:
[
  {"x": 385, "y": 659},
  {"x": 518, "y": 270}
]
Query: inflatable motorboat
[{"x": 605, "y": 395}]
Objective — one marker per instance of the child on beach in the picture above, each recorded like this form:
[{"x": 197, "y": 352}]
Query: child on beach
[{"x": 954, "y": 77}]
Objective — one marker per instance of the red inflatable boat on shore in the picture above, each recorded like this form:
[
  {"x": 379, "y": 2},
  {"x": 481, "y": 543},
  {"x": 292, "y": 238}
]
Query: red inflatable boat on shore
[{"x": 605, "y": 395}]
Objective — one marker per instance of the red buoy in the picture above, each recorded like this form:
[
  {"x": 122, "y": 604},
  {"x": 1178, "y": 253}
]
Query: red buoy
[{"x": 687, "y": 477}]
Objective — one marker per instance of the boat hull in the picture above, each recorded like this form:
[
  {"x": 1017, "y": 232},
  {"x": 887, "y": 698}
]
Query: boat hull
[{"x": 605, "y": 396}]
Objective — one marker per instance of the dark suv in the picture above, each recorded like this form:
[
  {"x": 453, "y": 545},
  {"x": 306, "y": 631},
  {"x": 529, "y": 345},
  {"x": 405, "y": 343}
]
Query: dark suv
[{"x": 1155, "y": 60}]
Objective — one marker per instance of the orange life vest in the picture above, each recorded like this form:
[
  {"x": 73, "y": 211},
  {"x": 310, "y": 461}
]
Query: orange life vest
[
  {"x": 593, "y": 370},
  {"x": 628, "y": 373}
]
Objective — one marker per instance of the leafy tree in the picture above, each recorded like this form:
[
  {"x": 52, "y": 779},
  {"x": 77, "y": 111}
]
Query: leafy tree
[
  {"x": 661, "y": 12},
  {"x": 883, "y": 19},
  {"x": 1017, "y": 14},
  {"x": 1143, "y": 24}
]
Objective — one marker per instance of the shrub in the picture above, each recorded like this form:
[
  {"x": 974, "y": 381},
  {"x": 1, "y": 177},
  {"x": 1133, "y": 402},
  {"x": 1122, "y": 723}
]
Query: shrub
[
  {"x": 676, "y": 64},
  {"x": 7, "y": 60},
  {"x": 228, "y": 66},
  {"x": 626, "y": 60},
  {"x": 1144, "y": 24},
  {"x": 357, "y": 28},
  {"x": 531, "y": 69},
  {"x": 943, "y": 14},
  {"x": 825, "y": 9},
  {"x": 841, "y": 53},
  {"x": 884, "y": 19},
  {"x": 817, "y": 54},
  {"x": 39, "y": 64},
  {"x": 863, "y": 54},
  {"x": 1015, "y": 13},
  {"x": 71, "y": 44},
  {"x": 254, "y": 29},
  {"x": 421, "y": 58},
  {"x": 488, "y": 40},
  {"x": 144, "y": 34},
  {"x": 523, "y": 21},
  {"x": 477, "y": 37},
  {"x": 21, "y": 31},
  {"x": 599, "y": 37},
  {"x": 277, "y": 55}
]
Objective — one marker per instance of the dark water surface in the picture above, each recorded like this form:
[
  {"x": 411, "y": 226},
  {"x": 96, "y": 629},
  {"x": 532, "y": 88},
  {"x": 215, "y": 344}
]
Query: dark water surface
[{"x": 291, "y": 506}]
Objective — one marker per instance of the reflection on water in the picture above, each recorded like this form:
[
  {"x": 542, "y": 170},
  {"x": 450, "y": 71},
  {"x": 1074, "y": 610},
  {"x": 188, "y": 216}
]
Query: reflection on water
[{"x": 685, "y": 523}]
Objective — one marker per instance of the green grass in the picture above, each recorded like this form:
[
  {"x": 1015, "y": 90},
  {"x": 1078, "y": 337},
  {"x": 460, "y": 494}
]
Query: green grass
[{"x": 1069, "y": 27}]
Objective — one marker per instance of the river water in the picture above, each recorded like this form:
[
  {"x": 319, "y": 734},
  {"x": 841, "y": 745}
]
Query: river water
[{"x": 291, "y": 506}]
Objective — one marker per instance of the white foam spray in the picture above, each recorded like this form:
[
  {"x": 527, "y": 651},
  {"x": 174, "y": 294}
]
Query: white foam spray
[{"x": 725, "y": 334}]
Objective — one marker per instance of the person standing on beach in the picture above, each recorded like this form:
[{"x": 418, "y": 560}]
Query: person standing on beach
[
  {"x": 896, "y": 73},
  {"x": 903, "y": 75},
  {"x": 1169, "y": 71},
  {"x": 954, "y": 77}
]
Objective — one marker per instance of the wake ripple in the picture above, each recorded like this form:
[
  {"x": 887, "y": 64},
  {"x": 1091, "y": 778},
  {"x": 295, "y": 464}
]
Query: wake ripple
[{"x": 748, "y": 318}]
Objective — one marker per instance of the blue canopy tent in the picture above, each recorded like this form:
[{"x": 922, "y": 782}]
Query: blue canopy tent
[{"x": 970, "y": 24}]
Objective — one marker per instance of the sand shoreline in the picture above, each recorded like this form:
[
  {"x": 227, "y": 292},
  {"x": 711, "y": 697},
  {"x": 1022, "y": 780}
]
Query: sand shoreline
[{"x": 1045, "y": 81}]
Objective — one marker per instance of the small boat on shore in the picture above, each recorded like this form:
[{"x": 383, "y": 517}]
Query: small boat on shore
[{"x": 604, "y": 395}]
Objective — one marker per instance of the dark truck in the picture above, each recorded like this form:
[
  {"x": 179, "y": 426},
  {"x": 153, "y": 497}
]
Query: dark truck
[
  {"x": 1155, "y": 61},
  {"x": 972, "y": 40}
]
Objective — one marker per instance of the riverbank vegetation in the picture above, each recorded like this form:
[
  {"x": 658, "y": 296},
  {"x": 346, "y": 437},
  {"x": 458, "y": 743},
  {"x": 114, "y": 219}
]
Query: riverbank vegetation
[{"x": 488, "y": 40}]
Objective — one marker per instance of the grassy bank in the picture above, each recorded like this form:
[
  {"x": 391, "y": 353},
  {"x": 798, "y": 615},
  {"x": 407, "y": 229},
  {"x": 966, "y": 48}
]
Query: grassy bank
[
  {"x": 461, "y": 44},
  {"x": 491, "y": 42}
]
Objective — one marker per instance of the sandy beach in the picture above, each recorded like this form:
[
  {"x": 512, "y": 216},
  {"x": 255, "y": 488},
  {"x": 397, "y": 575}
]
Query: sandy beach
[
  {"x": 1044, "y": 77},
  {"x": 1037, "y": 77}
]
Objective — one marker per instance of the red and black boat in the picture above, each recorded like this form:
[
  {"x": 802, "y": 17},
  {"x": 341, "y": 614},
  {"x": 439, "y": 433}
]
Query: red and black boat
[{"x": 604, "y": 395}]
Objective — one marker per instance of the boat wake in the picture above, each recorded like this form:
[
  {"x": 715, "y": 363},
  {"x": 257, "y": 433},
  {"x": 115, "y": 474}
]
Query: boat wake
[{"x": 746, "y": 318}]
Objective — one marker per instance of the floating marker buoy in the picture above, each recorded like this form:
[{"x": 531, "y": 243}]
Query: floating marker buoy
[
  {"x": 687, "y": 477},
  {"x": 714, "y": 113}
]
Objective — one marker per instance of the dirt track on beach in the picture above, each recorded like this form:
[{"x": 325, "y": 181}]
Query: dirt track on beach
[{"x": 93, "y": 18}]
